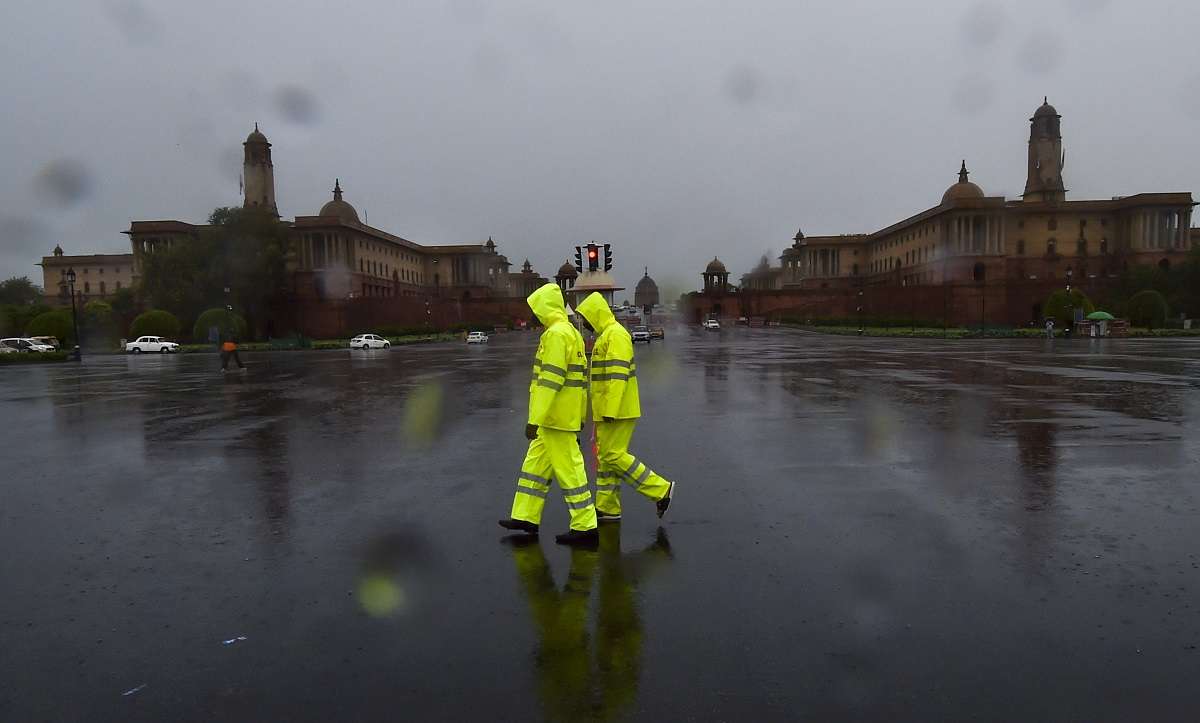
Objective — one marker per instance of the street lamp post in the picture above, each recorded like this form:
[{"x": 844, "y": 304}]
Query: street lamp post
[
  {"x": 860, "y": 313},
  {"x": 77, "y": 355},
  {"x": 1071, "y": 320}
]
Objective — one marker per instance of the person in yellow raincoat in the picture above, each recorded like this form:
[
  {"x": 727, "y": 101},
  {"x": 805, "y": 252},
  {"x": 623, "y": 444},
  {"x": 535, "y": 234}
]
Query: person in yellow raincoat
[
  {"x": 616, "y": 408},
  {"x": 557, "y": 405}
]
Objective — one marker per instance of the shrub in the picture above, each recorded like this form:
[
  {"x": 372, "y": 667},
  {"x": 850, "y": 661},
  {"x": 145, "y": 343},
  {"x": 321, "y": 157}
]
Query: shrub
[
  {"x": 1061, "y": 304},
  {"x": 53, "y": 323},
  {"x": 227, "y": 323},
  {"x": 155, "y": 322},
  {"x": 1148, "y": 308}
]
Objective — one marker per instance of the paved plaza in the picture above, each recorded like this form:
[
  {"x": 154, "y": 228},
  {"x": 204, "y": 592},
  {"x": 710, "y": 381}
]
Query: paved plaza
[{"x": 871, "y": 529}]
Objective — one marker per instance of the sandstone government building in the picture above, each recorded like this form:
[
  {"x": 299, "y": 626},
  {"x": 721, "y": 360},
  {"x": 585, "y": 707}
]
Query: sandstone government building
[{"x": 970, "y": 257}]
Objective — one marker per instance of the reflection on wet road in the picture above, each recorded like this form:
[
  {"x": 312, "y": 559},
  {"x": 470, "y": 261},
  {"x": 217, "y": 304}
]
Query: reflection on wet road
[{"x": 864, "y": 528}]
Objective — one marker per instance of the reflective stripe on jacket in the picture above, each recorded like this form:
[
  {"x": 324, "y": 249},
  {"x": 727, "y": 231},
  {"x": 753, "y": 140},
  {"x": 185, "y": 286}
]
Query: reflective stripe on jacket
[
  {"x": 558, "y": 390},
  {"x": 614, "y": 383}
]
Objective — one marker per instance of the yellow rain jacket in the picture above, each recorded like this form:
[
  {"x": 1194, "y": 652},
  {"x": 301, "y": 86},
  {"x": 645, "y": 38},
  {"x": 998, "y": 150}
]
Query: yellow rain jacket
[
  {"x": 558, "y": 391},
  {"x": 614, "y": 374}
]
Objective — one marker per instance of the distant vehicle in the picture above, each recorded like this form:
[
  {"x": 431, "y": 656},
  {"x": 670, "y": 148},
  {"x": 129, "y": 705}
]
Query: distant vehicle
[
  {"x": 150, "y": 344},
  {"x": 640, "y": 333},
  {"x": 657, "y": 332},
  {"x": 712, "y": 325},
  {"x": 47, "y": 340},
  {"x": 24, "y": 344},
  {"x": 477, "y": 337},
  {"x": 743, "y": 321},
  {"x": 369, "y": 341}
]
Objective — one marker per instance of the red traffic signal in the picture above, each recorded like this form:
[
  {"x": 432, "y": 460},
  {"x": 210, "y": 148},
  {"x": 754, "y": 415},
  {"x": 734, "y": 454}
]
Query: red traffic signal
[{"x": 592, "y": 254}]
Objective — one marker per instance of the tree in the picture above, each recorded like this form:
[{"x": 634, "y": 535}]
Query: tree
[
  {"x": 19, "y": 290},
  {"x": 227, "y": 324},
  {"x": 15, "y": 317},
  {"x": 57, "y": 324},
  {"x": 97, "y": 325},
  {"x": 1062, "y": 303},
  {"x": 1148, "y": 308},
  {"x": 244, "y": 250},
  {"x": 124, "y": 305},
  {"x": 155, "y": 322}
]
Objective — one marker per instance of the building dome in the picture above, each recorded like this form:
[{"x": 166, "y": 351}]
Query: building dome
[
  {"x": 568, "y": 271},
  {"x": 646, "y": 291},
  {"x": 715, "y": 267},
  {"x": 963, "y": 190},
  {"x": 256, "y": 136},
  {"x": 339, "y": 208},
  {"x": 1045, "y": 109}
]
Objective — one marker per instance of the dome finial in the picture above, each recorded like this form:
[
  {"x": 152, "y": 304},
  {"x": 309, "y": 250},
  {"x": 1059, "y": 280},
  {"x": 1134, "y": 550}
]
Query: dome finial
[
  {"x": 646, "y": 271},
  {"x": 337, "y": 189},
  {"x": 962, "y": 172},
  {"x": 1046, "y": 100}
]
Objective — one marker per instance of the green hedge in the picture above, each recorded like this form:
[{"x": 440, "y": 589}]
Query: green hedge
[
  {"x": 155, "y": 322},
  {"x": 228, "y": 325},
  {"x": 1060, "y": 305},
  {"x": 1148, "y": 308},
  {"x": 34, "y": 358},
  {"x": 57, "y": 324}
]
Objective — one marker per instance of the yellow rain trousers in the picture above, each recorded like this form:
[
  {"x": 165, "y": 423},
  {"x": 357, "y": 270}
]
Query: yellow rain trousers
[
  {"x": 557, "y": 403},
  {"x": 616, "y": 407}
]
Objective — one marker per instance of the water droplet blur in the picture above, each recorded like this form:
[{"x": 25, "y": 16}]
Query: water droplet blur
[
  {"x": 380, "y": 595},
  {"x": 22, "y": 237},
  {"x": 983, "y": 23},
  {"x": 1041, "y": 53},
  {"x": 972, "y": 93},
  {"x": 229, "y": 163},
  {"x": 63, "y": 183},
  {"x": 423, "y": 414},
  {"x": 744, "y": 84},
  {"x": 136, "y": 23},
  {"x": 241, "y": 89},
  {"x": 297, "y": 105}
]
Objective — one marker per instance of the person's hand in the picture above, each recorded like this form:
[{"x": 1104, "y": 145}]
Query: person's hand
[{"x": 531, "y": 431}]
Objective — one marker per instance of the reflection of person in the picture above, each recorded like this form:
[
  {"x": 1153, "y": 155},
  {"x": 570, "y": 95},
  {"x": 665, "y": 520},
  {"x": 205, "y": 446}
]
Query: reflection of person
[
  {"x": 229, "y": 350},
  {"x": 616, "y": 408},
  {"x": 574, "y": 684},
  {"x": 557, "y": 400}
]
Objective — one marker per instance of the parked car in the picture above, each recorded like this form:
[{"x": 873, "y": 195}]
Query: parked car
[
  {"x": 640, "y": 333},
  {"x": 477, "y": 337},
  {"x": 24, "y": 344},
  {"x": 49, "y": 341},
  {"x": 712, "y": 325},
  {"x": 150, "y": 344},
  {"x": 369, "y": 341},
  {"x": 657, "y": 332}
]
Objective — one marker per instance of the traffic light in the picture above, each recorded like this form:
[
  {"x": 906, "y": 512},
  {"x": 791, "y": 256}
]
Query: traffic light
[
  {"x": 593, "y": 257},
  {"x": 579, "y": 259},
  {"x": 608, "y": 257}
]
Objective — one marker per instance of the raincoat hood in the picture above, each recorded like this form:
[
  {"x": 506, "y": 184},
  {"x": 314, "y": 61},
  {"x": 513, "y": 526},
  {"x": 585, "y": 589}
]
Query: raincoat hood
[
  {"x": 547, "y": 304},
  {"x": 595, "y": 309}
]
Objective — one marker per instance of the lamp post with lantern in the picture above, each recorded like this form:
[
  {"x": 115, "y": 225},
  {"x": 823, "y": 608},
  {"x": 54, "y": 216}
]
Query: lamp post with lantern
[{"x": 77, "y": 353}]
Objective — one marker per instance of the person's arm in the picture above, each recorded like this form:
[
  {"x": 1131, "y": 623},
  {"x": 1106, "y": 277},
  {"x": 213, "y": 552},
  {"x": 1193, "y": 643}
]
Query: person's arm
[
  {"x": 614, "y": 374},
  {"x": 551, "y": 377}
]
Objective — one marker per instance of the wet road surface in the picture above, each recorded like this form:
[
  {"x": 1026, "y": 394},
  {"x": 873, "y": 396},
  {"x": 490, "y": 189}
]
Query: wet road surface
[{"x": 864, "y": 529}]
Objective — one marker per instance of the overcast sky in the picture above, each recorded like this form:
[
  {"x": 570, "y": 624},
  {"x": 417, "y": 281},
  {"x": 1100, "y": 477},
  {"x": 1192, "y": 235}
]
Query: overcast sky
[{"x": 674, "y": 129}]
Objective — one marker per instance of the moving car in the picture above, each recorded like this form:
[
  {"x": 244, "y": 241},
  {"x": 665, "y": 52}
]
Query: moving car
[
  {"x": 712, "y": 325},
  {"x": 657, "y": 332},
  {"x": 23, "y": 344},
  {"x": 369, "y": 341},
  {"x": 640, "y": 333},
  {"x": 477, "y": 337},
  {"x": 149, "y": 344}
]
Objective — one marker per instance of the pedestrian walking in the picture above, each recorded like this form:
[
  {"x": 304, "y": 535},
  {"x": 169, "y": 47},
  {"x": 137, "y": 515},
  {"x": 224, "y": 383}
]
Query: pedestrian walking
[
  {"x": 616, "y": 407},
  {"x": 557, "y": 404},
  {"x": 229, "y": 350},
  {"x": 1049, "y": 328}
]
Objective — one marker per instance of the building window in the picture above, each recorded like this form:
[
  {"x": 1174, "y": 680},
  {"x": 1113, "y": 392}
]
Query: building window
[
  {"x": 1082, "y": 224},
  {"x": 102, "y": 289},
  {"x": 1103, "y": 245},
  {"x": 1051, "y": 247},
  {"x": 1081, "y": 247},
  {"x": 118, "y": 286},
  {"x": 101, "y": 272},
  {"x": 1020, "y": 247},
  {"x": 87, "y": 288},
  {"x": 1052, "y": 224},
  {"x": 1021, "y": 224}
]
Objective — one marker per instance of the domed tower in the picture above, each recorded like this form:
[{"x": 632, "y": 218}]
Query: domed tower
[
  {"x": 645, "y": 294},
  {"x": 566, "y": 276},
  {"x": 1044, "y": 181},
  {"x": 964, "y": 190},
  {"x": 258, "y": 173},
  {"x": 337, "y": 207},
  {"x": 716, "y": 276}
]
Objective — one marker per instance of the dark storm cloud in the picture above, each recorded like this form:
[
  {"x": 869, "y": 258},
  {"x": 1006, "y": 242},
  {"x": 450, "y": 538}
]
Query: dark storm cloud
[{"x": 675, "y": 130}]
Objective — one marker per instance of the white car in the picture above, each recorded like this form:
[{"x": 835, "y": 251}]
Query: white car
[
  {"x": 477, "y": 337},
  {"x": 150, "y": 344},
  {"x": 712, "y": 325},
  {"x": 640, "y": 333},
  {"x": 369, "y": 341},
  {"x": 24, "y": 344}
]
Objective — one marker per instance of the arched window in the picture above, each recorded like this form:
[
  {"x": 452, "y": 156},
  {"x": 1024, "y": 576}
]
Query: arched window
[
  {"x": 1103, "y": 246},
  {"x": 87, "y": 287},
  {"x": 1020, "y": 247},
  {"x": 1051, "y": 247},
  {"x": 102, "y": 289}
]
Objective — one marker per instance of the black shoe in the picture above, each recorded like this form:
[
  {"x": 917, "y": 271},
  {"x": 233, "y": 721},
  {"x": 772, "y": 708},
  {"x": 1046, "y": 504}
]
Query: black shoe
[
  {"x": 583, "y": 538},
  {"x": 520, "y": 526},
  {"x": 608, "y": 516},
  {"x": 665, "y": 502}
]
